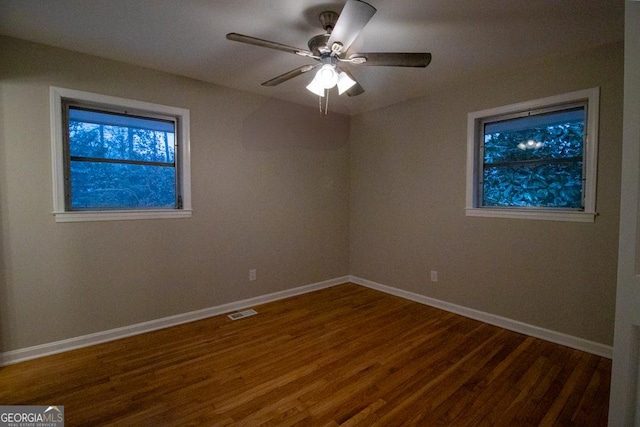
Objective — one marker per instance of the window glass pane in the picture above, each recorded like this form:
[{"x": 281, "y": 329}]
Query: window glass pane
[
  {"x": 551, "y": 184},
  {"x": 555, "y": 135},
  {"x": 98, "y": 185},
  {"x": 535, "y": 161},
  {"x": 114, "y": 136}
]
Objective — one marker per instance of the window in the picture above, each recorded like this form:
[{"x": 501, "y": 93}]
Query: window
[
  {"x": 535, "y": 159},
  {"x": 118, "y": 159}
]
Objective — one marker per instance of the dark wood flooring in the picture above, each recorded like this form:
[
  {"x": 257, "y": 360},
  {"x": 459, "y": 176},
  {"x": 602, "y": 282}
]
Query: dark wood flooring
[{"x": 346, "y": 355}]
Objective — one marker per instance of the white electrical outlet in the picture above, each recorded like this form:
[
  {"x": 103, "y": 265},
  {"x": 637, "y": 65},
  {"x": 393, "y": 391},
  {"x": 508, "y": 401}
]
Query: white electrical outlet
[
  {"x": 253, "y": 273},
  {"x": 434, "y": 276}
]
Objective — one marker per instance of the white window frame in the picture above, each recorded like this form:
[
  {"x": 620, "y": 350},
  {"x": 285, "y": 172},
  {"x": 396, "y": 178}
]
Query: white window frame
[
  {"x": 60, "y": 213},
  {"x": 474, "y": 139}
]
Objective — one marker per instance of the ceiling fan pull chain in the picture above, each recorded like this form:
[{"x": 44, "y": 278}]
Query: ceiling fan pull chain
[{"x": 326, "y": 102}]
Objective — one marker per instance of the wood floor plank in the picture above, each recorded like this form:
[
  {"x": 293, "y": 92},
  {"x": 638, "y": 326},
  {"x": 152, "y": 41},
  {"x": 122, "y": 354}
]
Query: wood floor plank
[{"x": 345, "y": 355}]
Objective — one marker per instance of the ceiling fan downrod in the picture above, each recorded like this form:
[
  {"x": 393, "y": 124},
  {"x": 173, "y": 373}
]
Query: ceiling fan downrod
[{"x": 328, "y": 20}]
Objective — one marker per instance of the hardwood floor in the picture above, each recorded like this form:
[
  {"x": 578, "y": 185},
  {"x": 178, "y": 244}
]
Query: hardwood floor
[{"x": 346, "y": 355}]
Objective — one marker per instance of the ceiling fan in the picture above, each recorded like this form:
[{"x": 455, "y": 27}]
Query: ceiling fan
[{"x": 331, "y": 52}]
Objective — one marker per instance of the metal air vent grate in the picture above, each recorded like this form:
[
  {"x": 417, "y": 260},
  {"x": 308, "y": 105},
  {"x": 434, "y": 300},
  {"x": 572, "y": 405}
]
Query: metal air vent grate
[{"x": 241, "y": 314}]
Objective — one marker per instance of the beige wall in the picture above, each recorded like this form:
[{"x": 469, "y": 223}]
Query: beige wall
[
  {"x": 269, "y": 192},
  {"x": 408, "y": 196}
]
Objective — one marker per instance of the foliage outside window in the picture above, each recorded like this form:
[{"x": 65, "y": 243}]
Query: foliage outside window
[
  {"x": 534, "y": 160},
  {"x": 118, "y": 159}
]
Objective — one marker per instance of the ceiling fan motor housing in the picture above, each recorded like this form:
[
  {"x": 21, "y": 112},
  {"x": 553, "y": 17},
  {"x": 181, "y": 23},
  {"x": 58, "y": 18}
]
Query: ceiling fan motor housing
[{"x": 318, "y": 45}]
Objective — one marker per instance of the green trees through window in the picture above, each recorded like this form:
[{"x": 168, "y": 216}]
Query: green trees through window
[
  {"x": 120, "y": 161},
  {"x": 534, "y": 161}
]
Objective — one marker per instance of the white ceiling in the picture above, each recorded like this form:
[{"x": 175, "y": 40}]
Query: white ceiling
[{"x": 467, "y": 38}]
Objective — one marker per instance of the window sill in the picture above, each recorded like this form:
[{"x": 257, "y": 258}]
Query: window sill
[
  {"x": 120, "y": 215},
  {"x": 535, "y": 214}
]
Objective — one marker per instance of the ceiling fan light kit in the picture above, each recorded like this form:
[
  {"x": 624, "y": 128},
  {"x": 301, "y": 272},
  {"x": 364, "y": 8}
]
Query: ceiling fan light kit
[
  {"x": 327, "y": 76},
  {"x": 331, "y": 52}
]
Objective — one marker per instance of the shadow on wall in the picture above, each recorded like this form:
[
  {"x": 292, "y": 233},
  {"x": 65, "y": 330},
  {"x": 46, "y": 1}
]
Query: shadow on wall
[{"x": 283, "y": 125}]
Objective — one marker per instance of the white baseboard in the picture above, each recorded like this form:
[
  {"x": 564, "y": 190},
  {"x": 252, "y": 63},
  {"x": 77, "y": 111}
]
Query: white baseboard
[
  {"x": 492, "y": 319},
  {"x": 16, "y": 356},
  {"x": 20, "y": 355}
]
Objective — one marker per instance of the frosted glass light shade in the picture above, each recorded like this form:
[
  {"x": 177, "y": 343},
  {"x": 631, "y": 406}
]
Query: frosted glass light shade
[
  {"x": 327, "y": 76},
  {"x": 315, "y": 87},
  {"x": 344, "y": 83}
]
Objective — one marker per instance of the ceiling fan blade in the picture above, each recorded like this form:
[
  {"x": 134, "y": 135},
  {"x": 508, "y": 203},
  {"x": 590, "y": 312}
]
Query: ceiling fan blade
[
  {"x": 289, "y": 75},
  {"x": 353, "y": 18},
  {"x": 391, "y": 59},
  {"x": 266, "y": 43}
]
